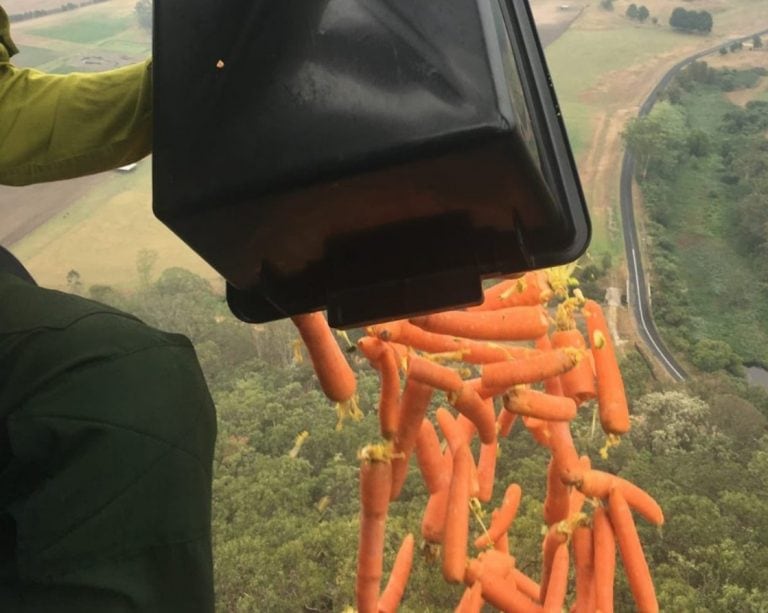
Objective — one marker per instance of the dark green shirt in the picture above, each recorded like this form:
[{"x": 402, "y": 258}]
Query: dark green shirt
[
  {"x": 56, "y": 127},
  {"x": 106, "y": 445}
]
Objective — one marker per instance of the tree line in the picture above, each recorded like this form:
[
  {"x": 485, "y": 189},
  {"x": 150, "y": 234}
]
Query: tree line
[{"x": 33, "y": 14}]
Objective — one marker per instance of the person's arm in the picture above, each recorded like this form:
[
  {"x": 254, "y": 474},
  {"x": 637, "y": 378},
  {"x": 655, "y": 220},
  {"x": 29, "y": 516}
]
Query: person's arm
[{"x": 56, "y": 127}]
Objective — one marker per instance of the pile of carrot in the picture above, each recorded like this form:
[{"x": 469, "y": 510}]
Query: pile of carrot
[{"x": 503, "y": 353}]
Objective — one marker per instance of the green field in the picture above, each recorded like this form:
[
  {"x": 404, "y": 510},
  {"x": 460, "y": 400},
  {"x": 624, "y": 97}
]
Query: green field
[{"x": 89, "y": 29}]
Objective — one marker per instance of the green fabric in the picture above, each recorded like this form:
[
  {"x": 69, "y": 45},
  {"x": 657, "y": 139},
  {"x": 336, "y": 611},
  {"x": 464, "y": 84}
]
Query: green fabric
[
  {"x": 5, "y": 34},
  {"x": 106, "y": 452},
  {"x": 56, "y": 127}
]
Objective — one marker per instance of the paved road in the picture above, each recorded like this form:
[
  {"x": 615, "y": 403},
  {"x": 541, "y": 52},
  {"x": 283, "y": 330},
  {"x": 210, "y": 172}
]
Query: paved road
[{"x": 638, "y": 287}]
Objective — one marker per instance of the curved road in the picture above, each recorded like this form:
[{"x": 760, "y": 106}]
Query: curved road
[{"x": 639, "y": 294}]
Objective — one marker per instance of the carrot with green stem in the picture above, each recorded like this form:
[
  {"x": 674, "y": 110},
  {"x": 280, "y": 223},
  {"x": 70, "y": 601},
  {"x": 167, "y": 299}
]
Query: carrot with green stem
[
  {"x": 557, "y": 535},
  {"x": 611, "y": 397},
  {"x": 528, "y": 290},
  {"x": 599, "y": 484},
  {"x": 577, "y": 498},
  {"x": 375, "y": 483},
  {"x": 509, "y": 324},
  {"x": 413, "y": 406},
  {"x": 605, "y": 560},
  {"x": 503, "y": 520},
  {"x": 528, "y": 402},
  {"x": 632, "y": 556},
  {"x": 392, "y": 595},
  {"x": 474, "y": 352},
  {"x": 538, "y": 367},
  {"x": 456, "y": 532},
  {"x": 577, "y": 383},
  {"x": 334, "y": 373}
]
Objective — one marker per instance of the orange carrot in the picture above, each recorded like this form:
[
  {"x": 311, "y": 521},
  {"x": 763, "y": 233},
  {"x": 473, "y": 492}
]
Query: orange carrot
[
  {"x": 486, "y": 470},
  {"x": 375, "y": 483},
  {"x": 563, "y": 450},
  {"x": 466, "y": 426},
  {"x": 611, "y": 398},
  {"x": 577, "y": 498},
  {"x": 526, "y": 291},
  {"x": 526, "y": 585},
  {"x": 430, "y": 459},
  {"x": 556, "y": 536},
  {"x": 502, "y": 594},
  {"x": 389, "y": 401},
  {"x": 474, "y": 352},
  {"x": 433, "y": 520},
  {"x": 450, "y": 429},
  {"x": 525, "y": 401},
  {"x": 539, "y": 429},
  {"x": 413, "y": 406},
  {"x": 468, "y": 402},
  {"x": 496, "y": 563},
  {"x": 558, "y": 580},
  {"x": 504, "y": 519},
  {"x": 372, "y": 348},
  {"x": 635, "y": 565},
  {"x": 538, "y": 367},
  {"x": 509, "y": 324},
  {"x": 334, "y": 373},
  {"x": 504, "y": 422},
  {"x": 605, "y": 560},
  {"x": 556, "y": 503},
  {"x": 598, "y": 484},
  {"x": 502, "y": 542},
  {"x": 579, "y": 382},
  {"x": 457, "y": 517},
  {"x": 398, "y": 578},
  {"x": 552, "y": 385},
  {"x": 583, "y": 559},
  {"x": 438, "y": 376},
  {"x": 484, "y": 392},
  {"x": 472, "y": 600}
]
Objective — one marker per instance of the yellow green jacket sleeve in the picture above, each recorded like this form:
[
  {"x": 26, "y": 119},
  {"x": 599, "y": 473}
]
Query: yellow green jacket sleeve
[{"x": 56, "y": 127}]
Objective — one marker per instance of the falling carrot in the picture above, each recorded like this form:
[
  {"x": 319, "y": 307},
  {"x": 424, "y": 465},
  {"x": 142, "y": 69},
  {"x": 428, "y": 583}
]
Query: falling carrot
[
  {"x": 389, "y": 401},
  {"x": 538, "y": 367},
  {"x": 552, "y": 385},
  {"x": 556, "y": 536},
  {"x": 528, "y": 290},
  {"x": 433, "y": 520},
  {"x": 577, "y": 498},
  {"x": 583, "y": 559},
  {"x": 509, "y": 324},
  {"x": 563, "y": 449},
  {"x": 372, "y": 348},
  {"x": 599, "y": 484},
  {"x": 336, "y": 377},
  {"x": 635, "y": 564},
  {"x": 557, "y": 583},
  {"x": 504, "y": 422},
  {"x": 457, "y": 518},
  {"x": 486, "y": 470},
  {"x": 413, "y": 406},
  {"x": 429, "y": 458},
  {"x": 577, "y": 383},
  {"x": 430, "y": 373},
  {"x": 605, "y": 560},
  {"x": 392, "y": 595},
  {"x": 557, "y": 501},
  {"x": 525, "y": 401},
  {"x": 538, "y": 429},
  {"x": 611, "y": 397},
  {"x": 526, "y": 585},
  {"x": 506, "y": 515},
  {"x": 468, "y": 402},
  {"x": 375, "y": 483},
  {"x": 502, "y": 594},
  {"x": 474, "y": 352},
  {"x": 472, "y": 600}
]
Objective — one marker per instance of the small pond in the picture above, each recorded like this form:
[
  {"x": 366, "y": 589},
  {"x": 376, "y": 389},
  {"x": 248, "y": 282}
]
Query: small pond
[{"x": 757, "y": 376}]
